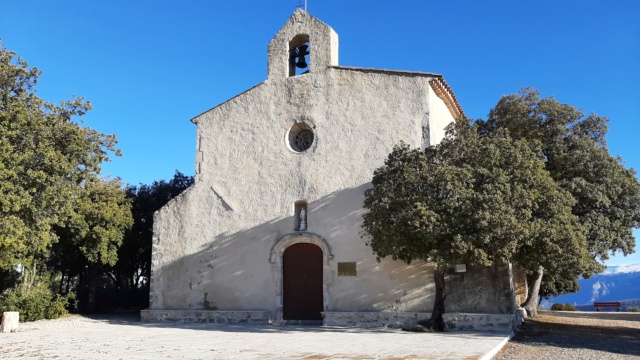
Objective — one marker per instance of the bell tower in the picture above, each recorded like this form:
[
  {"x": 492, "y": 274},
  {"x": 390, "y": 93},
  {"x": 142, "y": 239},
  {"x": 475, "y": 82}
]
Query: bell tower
[{"x": 303, "y": 45}]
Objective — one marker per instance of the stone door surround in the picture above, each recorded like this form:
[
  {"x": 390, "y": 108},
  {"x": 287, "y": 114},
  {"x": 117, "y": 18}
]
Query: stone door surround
[{"x": 275, "y": 258}]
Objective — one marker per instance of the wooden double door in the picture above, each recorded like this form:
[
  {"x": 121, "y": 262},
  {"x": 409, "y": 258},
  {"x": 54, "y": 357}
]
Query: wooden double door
[{"x": 302, "y": 282}]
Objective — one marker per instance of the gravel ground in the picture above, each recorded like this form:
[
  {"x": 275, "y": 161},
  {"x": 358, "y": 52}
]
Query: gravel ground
[{"x": 575, "y": 336}]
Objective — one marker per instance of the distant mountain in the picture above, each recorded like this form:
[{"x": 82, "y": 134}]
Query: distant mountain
[{"x": 617, "y": 283}]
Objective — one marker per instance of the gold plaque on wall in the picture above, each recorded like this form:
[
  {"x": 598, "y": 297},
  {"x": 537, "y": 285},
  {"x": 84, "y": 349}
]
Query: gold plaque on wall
[{"x": 347, "y": 269}]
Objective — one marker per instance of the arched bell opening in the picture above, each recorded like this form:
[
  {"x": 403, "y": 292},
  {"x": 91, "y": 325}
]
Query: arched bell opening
[{"x": 299, "y": 55}]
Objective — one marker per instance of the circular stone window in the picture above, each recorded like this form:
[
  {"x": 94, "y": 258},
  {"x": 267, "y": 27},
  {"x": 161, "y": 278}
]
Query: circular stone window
[{"x": 300, "y": 137}]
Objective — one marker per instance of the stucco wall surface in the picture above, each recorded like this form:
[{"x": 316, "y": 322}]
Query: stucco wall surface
[
  {"x": 214, "y": 244},
  {"x": 439, "y": 118},
  {"x": 322, "y": 36}
]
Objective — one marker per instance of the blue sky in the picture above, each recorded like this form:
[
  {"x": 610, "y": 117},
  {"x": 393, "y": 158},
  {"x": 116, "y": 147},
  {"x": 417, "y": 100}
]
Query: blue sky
[{"x": 148, "y": 67}]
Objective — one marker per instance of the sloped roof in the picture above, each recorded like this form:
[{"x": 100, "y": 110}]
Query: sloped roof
[
  {"x": 444, "y": 92},
  {"x": 195, "y": 118}
]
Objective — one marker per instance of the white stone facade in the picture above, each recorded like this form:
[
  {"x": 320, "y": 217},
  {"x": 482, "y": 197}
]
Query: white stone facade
[{"x": 219, "y": 245}]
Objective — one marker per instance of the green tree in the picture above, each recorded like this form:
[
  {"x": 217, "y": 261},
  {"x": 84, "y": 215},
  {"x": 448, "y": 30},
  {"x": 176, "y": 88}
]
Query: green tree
[
  {"x": 89, "y": 239},
  {"x": 44, "y": 157},
  {"x": 49, "y": 167},
  {"x": 556, "y": 284},
  {"x": 606, "y": 194},
  {"x": 471, "y": 199},
  {"x": 132, "y": 271}
]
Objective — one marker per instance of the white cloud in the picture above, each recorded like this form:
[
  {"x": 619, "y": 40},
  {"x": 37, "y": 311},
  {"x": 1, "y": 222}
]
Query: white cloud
[{"x": 619, "y": 269}]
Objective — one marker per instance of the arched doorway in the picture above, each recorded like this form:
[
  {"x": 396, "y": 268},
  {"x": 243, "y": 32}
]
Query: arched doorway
[{"x": 302, "y": 282}]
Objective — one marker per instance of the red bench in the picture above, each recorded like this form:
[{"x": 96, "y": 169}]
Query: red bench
[{"x": 610, "y": 304}]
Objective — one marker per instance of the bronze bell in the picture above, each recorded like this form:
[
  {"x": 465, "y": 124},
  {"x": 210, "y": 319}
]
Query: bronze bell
[
  {"x": 301, "y": 52},
  {"x": 301, "y": 63}
]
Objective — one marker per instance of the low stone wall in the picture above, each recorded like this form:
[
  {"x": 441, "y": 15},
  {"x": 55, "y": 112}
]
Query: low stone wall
[
  {"x": 368, "y": 319},
  {"x": 453, "y": 321},
  {"x": 478, "y": 322},
  {"x": 206, "y": 316},
  {"x": 362, "y": 319}
]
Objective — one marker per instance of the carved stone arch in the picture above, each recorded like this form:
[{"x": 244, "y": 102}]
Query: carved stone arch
[
  {"x": 303, "y": 237},
  {"x": 298, "y": 40},
  {"x": 275, "y": 258}
]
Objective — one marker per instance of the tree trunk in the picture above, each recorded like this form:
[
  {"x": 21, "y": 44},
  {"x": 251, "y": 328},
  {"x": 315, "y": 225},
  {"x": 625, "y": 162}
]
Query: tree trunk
[
  {"x": 29, "y": 275},
  {"x": 436, "y": 322},
  {"x": 531, "y": 305},
  {"x": 68, "y": 282},
  {"x": 61, "y": 287},
  {"x": 33, "y": 273}
]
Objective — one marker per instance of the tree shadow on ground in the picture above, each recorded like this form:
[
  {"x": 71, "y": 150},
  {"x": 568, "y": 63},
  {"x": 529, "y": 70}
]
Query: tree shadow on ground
[{"x": 614, "y": 339}]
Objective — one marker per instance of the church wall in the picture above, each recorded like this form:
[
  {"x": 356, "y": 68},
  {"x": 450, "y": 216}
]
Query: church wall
[
  {"x": 439, "y": 116},
  {"x": 323, "y": 39},
  {"x": 520, "y": 285},
  {"x": 467, "y": 291},
  {"x": 220, "y": 244},
  {"x": 213, "y": 243}
]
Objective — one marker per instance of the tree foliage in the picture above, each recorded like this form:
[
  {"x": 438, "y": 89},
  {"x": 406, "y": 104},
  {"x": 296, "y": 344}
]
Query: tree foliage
[
  {"x": 471, "y": 199},
  {"x": 56, "y": 212},
  {"x": 606, "y": 194},
  {"x": 96, "y": 227},
  {"x": 563, "y": 307},
  {"x": 37, "y": 302},
  {"x": 132, "y": 271},
  {"x": 45, "y": 158},
  {"x": 61, "y": 223},
  {"x": 89, "y": 239},
  {"x": 556, "y": 284},
  {"x": 105, "y": 256},
  {"x": 533, "y": 184}
]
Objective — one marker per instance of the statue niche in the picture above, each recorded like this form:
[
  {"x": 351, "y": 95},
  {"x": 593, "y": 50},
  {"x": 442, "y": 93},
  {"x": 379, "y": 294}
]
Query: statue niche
[{"x": 300, "y": 216}]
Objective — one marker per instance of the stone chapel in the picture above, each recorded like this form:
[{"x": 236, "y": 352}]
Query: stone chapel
[{"x": 271, "y": 230}]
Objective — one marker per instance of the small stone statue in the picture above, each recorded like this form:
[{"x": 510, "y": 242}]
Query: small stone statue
[{"x": 303, "y": 220}]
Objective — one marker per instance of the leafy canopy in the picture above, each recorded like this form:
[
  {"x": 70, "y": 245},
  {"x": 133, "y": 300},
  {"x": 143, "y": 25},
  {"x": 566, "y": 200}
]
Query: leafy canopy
[
  {"x": 471, "y": 199},
  {"x": 606, "y": 194},
  {"x": 134, "y": 255},
  {"x": 47, "y": 161},
  {"x": 533, "y": 184}
]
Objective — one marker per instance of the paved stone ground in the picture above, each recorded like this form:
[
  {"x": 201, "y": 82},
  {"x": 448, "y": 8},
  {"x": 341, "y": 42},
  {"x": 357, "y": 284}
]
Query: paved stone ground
[{"x": 126, "y": 338}]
